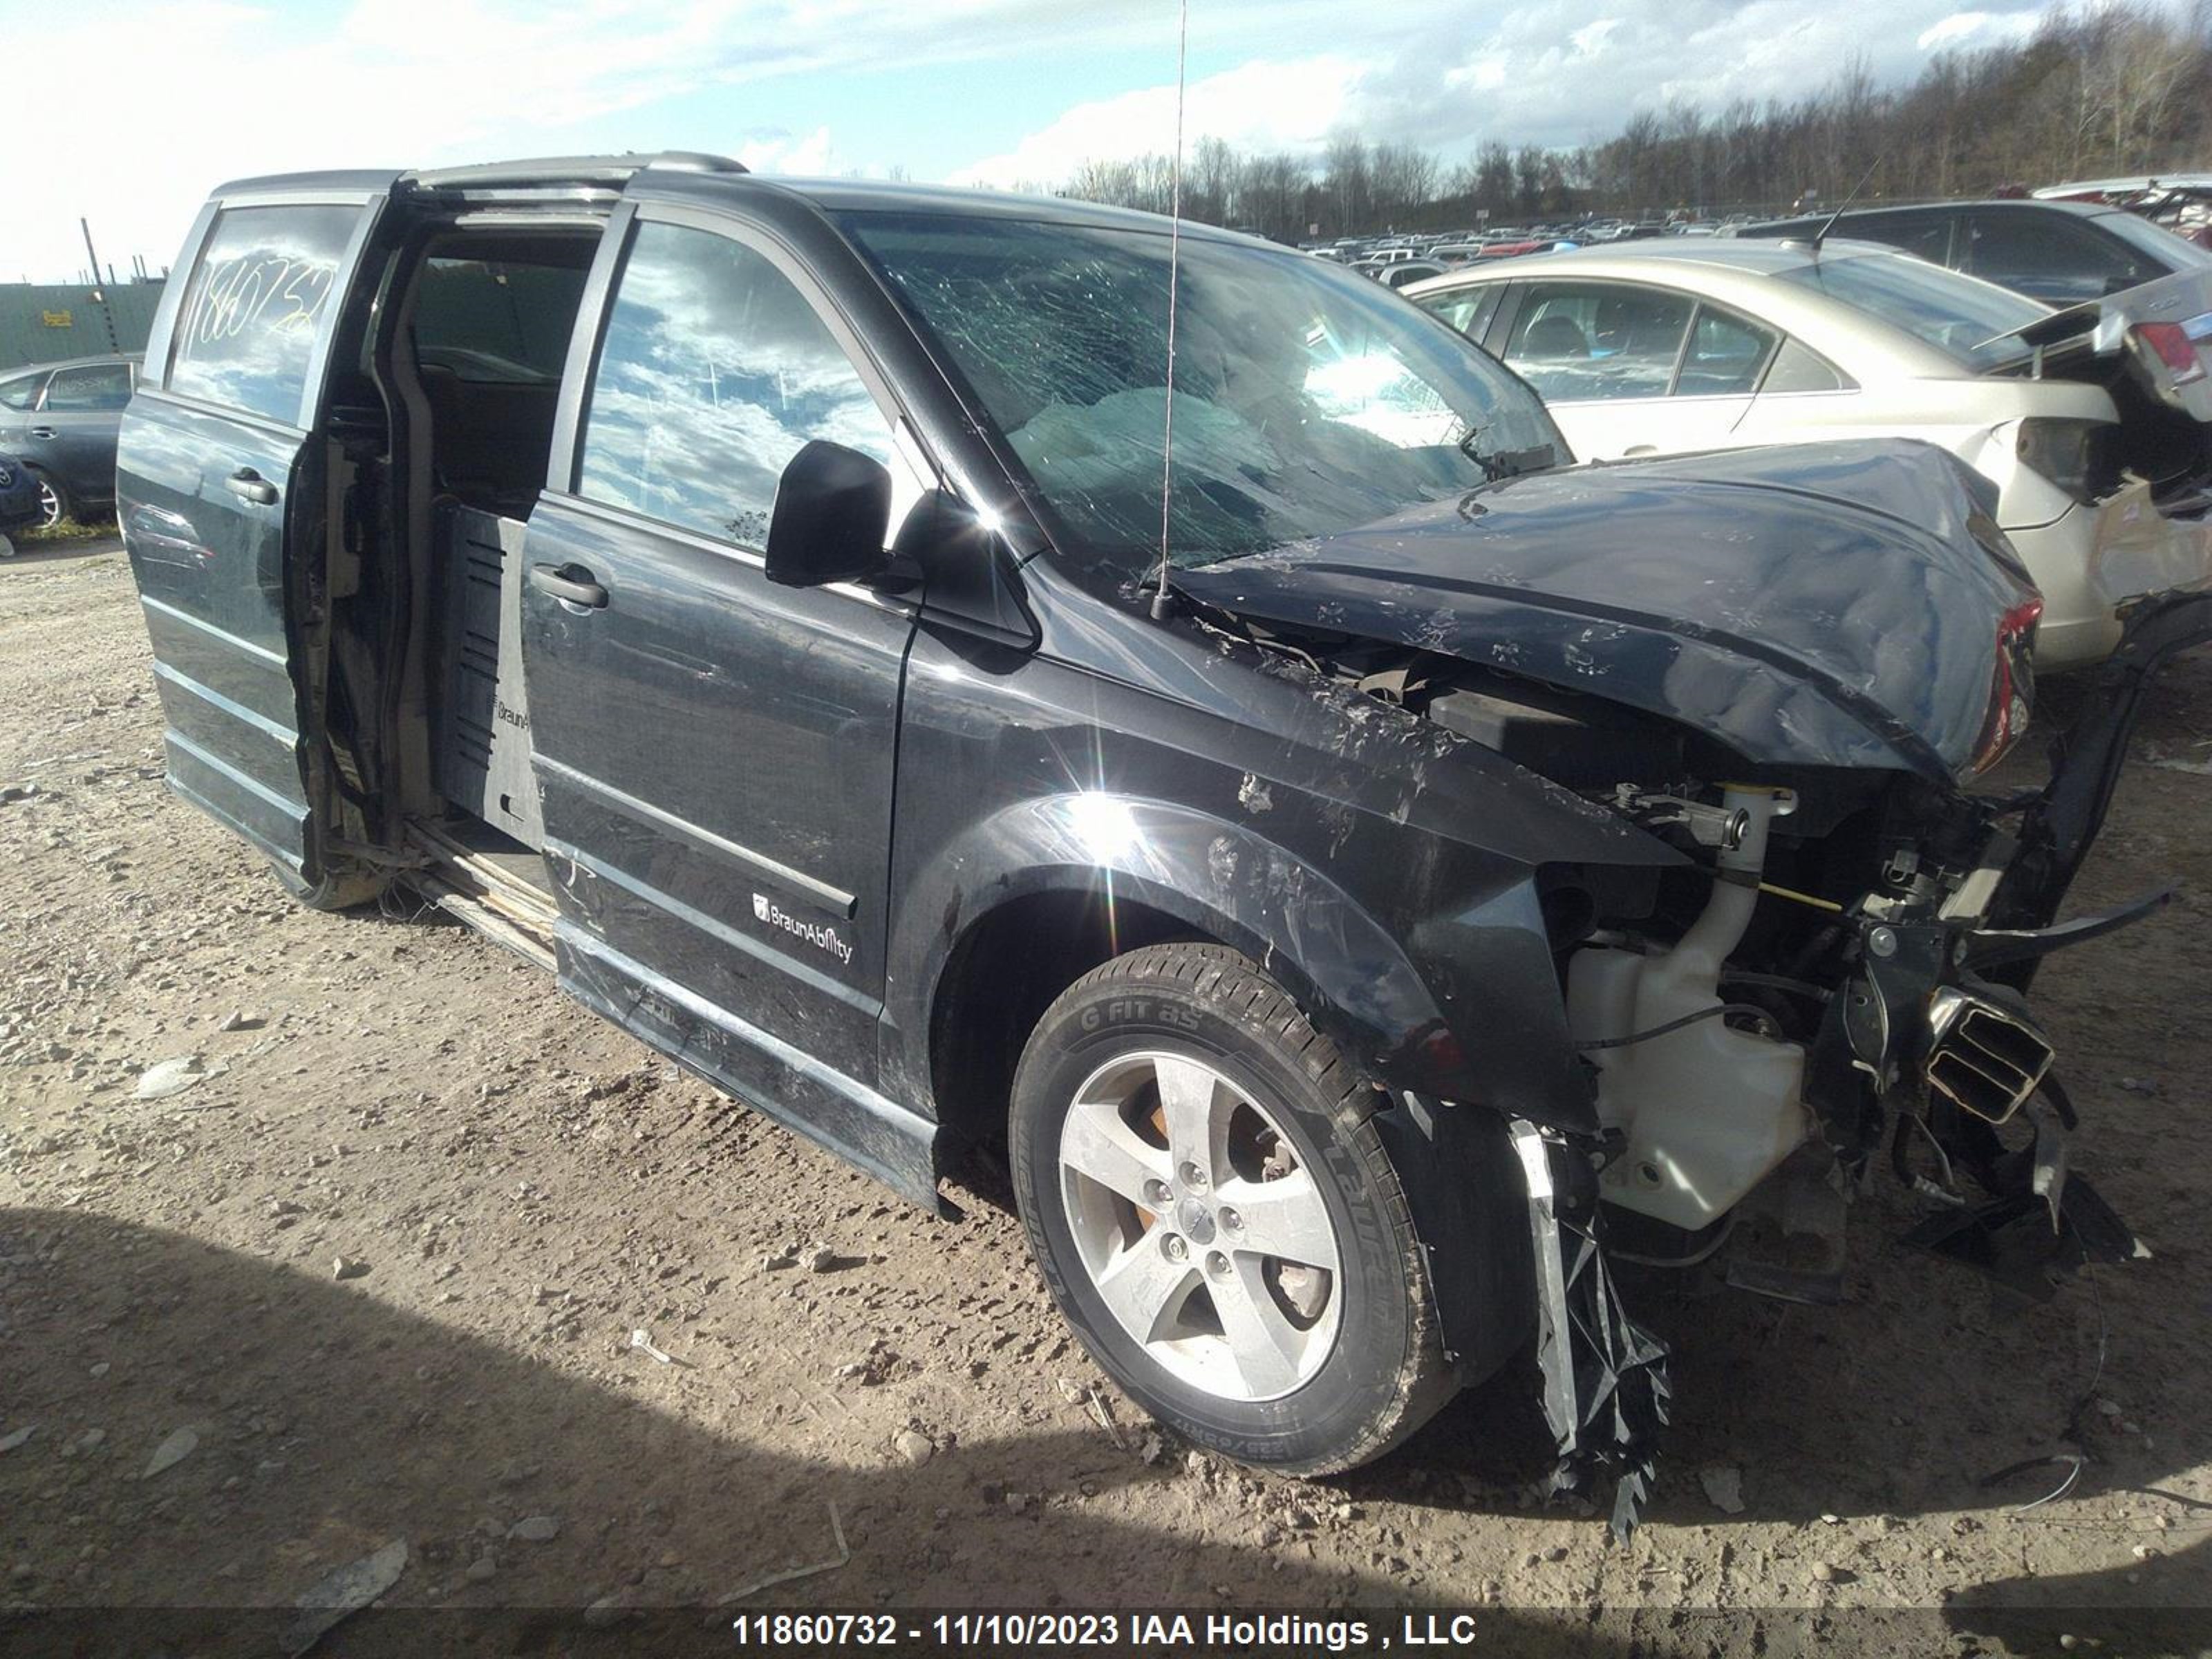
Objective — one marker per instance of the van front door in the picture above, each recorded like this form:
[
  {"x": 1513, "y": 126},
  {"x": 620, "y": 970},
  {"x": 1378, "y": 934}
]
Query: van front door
[
  {"x": 714, "y": 752},
  {"x": 215, "y": 480}
]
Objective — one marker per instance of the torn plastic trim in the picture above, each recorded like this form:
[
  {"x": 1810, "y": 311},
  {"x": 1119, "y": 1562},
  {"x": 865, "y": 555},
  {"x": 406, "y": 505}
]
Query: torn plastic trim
[
  {"x": 2062, "y": 823},
  {"x": 2041, "y": 1222},
  {"x": 1993, "y": 947},
  {"x": 1607, "y": 1392}
]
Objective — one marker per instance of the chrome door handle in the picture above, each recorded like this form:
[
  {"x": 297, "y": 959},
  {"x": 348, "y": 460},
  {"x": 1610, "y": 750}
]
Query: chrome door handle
[
  {"x": 248, "y": 485},
  {"x": 571, "y": 584},
  {"x": 42, "y": 432}
]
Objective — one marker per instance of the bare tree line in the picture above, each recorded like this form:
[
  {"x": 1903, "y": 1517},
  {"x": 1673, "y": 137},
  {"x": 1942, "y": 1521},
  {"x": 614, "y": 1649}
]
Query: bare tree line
[{"x": 2118, "y": 87}]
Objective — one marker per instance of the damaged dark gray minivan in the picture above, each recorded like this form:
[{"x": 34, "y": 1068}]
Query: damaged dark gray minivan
[{"x": 746, "y": 599}]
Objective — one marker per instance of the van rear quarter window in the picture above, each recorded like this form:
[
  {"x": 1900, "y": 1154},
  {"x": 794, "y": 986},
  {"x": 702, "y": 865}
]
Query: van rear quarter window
[{"x": 258, "y": 294}]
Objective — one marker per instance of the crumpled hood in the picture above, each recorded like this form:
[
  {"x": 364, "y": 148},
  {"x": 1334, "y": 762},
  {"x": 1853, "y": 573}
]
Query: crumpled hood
[{"x": 1814, "y": 604}]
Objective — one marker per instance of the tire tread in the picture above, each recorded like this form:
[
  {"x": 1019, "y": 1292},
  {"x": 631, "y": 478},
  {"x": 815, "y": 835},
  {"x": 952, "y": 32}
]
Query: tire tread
[{"x": 1234, "y": 982}]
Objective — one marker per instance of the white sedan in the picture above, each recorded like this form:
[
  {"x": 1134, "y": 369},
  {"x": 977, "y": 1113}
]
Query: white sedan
[{"x": 2095, "y": 438}]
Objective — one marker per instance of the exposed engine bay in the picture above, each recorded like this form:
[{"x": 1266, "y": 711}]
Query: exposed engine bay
[
  {"x": 1833, "y": 989},
  {"x": 1811, "y": 984}
]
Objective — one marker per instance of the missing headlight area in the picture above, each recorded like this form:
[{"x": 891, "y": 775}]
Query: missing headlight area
[{"x": 1830, "y": 986}]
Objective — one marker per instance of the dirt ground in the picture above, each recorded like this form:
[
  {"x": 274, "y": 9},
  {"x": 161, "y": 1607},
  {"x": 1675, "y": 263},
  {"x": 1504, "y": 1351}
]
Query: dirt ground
[{"x": 515, "y": 1188}]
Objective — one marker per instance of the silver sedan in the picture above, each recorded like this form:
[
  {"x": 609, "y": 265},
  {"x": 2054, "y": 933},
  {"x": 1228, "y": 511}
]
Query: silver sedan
[{"x": 2090, "y": 429}]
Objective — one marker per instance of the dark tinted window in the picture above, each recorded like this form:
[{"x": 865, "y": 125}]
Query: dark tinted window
[
  {"x": 1725, "y": 355},
  {"x": 493, "y": 320},
  {"x": 21, "y": 391},
  {"x": 714, "y": 374},
  {"x": 1579, "y": 341},
  {"x": 2165, "y": 244},
  {"x": 2053, "y": 255},
  {"x": 257, "y": 299},
  {"x": 103, "y": 386},
  {"x": 1406, "y": 272},
  {"x": 1928, "y": 234},
  {"x": 1798, "y": 367}
]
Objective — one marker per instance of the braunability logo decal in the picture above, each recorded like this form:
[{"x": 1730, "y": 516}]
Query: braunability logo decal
[{"x": 821, "y": 938}]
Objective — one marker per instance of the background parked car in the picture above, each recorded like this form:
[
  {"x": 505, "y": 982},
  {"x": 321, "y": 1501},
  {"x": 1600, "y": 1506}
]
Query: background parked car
[
  {"x": 1675, "y": 345},
  {"x": 20, "y": 507},
  {"x": 61, "y": 419},
  {"x": 2061, "y": 252},
  {"x": 1406, "y": 272}
]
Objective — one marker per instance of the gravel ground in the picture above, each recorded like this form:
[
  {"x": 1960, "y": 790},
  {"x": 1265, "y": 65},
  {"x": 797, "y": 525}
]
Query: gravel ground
[{"x": 375, "y": 1277}]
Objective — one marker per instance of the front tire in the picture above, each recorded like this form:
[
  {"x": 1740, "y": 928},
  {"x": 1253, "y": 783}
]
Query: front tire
[{"x": 1216, "y": 1217}]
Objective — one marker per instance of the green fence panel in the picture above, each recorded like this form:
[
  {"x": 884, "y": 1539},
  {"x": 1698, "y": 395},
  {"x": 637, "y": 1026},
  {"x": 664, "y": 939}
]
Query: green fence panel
[{"x": 40, "y": 322}]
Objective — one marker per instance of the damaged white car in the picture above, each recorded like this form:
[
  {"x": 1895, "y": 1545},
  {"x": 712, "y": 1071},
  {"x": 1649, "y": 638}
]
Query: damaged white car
[{"x": 2090, "y": 421}]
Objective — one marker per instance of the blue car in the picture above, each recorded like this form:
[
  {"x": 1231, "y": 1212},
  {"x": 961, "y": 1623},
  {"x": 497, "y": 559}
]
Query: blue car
[{"x": 20, "y": 506}]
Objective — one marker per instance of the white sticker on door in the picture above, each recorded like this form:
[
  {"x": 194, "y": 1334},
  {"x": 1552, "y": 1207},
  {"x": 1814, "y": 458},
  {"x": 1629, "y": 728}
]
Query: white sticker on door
[{"x": 823, "y": 939}]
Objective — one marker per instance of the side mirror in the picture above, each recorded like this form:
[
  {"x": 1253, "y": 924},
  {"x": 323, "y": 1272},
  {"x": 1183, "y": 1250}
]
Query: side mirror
[
  {"x": 833, "y": 510},
  {"x": 967, "y": 571}
]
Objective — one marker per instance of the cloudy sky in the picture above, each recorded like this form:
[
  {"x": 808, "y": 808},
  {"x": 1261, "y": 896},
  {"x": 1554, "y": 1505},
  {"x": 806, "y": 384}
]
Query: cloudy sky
[{"x": 139, "y": 107}]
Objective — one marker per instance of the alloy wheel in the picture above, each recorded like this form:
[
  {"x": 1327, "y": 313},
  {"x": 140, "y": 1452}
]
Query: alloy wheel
[{"x": 1201, "y": 1227}]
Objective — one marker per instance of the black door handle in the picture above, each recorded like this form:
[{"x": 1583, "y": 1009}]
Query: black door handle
[
  {"x": 571, "y": 583},
  {"x": 248, "y": 485}
]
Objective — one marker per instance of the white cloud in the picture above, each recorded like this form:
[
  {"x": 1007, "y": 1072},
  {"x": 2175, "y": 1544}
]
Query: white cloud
[
  {"x": 809, "y": 154},
  {"x": 1259, "y": 105},
  {"x": 1590, "y": 39},
  {"x": 1450, "y": 75},
  {"x": 1567, "y": 72},
  {"x": 1487, "y": 73},
  {"x": 206, "y": 90},
  {"x": 197, "y": 91},
  {"x": 202, "y": 90},
  {"x": 1979, "y": 29}
]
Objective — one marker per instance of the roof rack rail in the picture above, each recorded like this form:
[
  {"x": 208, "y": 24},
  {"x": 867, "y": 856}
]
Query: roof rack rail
[
  {"x": 607, "y": 170},
  {"x": 697, "y": 160}
]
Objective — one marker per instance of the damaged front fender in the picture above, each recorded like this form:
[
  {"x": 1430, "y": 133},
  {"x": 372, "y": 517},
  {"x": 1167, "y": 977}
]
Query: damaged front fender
[{"x": 1411, "y": 1017}]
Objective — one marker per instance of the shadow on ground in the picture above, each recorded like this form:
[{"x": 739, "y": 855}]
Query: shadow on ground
[{"x": 329, "y": 1423}]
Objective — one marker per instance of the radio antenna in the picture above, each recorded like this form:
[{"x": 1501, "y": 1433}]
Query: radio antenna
[
  {"x": 1865, "y": 178},
  {"x": 1161, "y": 603}
]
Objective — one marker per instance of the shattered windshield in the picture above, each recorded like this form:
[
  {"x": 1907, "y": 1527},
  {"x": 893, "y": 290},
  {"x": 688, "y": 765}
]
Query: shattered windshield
[{"x": 1308, "y": 400}]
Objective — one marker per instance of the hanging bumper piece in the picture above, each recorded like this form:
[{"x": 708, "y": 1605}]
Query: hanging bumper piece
[{"x": 1606, "y": 1389}]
